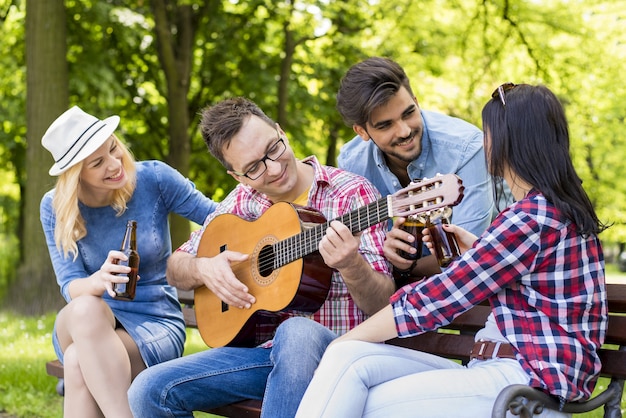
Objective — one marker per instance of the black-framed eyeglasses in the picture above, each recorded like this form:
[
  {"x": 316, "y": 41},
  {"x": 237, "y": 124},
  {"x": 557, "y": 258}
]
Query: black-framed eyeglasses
[
  {"x": 499, "y": 92},
  {"x": 260, "y": 167}
]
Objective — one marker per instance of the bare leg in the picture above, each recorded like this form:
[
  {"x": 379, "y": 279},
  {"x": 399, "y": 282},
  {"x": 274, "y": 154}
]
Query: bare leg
[
  {"x": 98, "y": 368},
  {"x": 136, "y": 362},
  {"x": 78, "y": 401}
]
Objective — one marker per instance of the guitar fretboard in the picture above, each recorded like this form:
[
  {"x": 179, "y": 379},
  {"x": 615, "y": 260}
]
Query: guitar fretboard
[
  {"x": 307, "y": 242},
  {"x": 428, "y": 194}
]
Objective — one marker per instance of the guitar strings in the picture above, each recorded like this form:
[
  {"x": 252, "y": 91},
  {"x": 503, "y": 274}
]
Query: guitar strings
[
  {"x": 297, "y": 246},
  {"x": 306, "y": 242}
]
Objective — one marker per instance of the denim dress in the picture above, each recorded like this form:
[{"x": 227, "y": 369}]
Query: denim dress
[{"x": 154, "y": 318}]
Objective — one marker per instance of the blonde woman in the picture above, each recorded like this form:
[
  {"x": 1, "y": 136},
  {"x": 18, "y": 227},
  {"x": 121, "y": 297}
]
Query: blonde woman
[{"x": 104, "y": 342}]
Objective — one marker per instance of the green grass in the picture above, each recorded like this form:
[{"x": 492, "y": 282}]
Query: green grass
[
  {"x": 25, "y": 388},
  {"x": 26, "y": 391}
]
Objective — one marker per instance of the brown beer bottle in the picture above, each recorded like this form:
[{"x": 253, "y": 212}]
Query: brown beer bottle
[
  {"x": 126, "y": 291},
  {"x": 444, "y": 243},
  {"x": 414, "y": 226}
]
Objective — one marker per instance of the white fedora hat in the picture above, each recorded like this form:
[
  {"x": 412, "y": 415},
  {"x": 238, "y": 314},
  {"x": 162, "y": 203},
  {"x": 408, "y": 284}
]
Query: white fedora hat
[{"x": 74, "y": 136}]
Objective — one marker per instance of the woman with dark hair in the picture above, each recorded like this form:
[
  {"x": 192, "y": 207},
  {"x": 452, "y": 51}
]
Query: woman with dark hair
[{"x": 540, "y": 266}]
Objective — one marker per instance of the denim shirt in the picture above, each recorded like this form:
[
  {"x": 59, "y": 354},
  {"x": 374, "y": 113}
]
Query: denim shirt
[
  {"x": 449, "y": 146},
  {"x": 160, "y": 190}
]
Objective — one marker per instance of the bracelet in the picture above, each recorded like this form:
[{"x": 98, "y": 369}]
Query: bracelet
[{"x": 404, "y": 273}]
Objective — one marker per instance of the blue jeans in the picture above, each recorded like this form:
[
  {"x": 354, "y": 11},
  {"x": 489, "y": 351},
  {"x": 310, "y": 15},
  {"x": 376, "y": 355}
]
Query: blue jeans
[{"x": 220, "y": 376}]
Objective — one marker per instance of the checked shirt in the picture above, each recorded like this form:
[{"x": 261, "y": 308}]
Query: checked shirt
[
  {"x": 334, "y": 192},
  {"x": 545, "y": 286}
]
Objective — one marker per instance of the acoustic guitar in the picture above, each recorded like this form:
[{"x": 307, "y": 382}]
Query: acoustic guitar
[{"x": 284, "y": 270}]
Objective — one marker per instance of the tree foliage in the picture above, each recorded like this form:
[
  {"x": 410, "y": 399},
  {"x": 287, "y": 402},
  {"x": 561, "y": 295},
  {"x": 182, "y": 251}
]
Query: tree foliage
[{"x": 157, "y": 63}]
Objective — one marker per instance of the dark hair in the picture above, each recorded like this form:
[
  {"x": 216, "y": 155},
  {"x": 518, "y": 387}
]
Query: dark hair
[
  {"x": 530, "y": 135},
  {"x": 221, "y": 122},
  {"x": 368, "y": 85}
]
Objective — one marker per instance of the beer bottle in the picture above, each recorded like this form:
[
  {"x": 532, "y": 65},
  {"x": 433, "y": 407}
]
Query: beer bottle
[
  {"x": 126, "y": 291},
  {"x": 414, "y": 226},
  {"x": 444, "y": 243}
]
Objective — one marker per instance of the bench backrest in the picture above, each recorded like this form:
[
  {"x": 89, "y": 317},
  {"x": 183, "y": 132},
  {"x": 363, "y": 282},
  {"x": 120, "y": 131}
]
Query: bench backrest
[{"x": 456, "y": 340}]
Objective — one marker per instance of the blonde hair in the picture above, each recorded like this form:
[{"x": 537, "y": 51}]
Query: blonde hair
[{"x": 70, "y": 225}]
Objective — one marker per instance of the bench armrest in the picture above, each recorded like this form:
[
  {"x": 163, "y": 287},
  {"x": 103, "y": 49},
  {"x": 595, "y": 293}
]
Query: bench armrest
[{"x": 525, "y": 401}]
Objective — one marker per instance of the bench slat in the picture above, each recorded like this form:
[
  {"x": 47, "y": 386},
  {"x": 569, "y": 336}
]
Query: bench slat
[
  {"x": 453, "y": 346},
  {"x": 190, "y": 317},
  {"x": 185, "y": 297},
  {"x": 616, "y": 295},
  {"x": 616, "y": 332},
  {"x": 55, "y": 368},
  {"x": 613, "y": 363}
]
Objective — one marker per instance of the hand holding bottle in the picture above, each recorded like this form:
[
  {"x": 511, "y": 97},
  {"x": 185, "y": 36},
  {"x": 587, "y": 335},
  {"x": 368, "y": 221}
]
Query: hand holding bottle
[
  {"x": 464, "y": 238},
  {"x": 114, "y": 270}
]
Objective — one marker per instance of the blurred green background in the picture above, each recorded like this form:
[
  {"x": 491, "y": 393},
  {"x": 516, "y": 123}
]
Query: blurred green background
[{"x": 157, "y": 63}]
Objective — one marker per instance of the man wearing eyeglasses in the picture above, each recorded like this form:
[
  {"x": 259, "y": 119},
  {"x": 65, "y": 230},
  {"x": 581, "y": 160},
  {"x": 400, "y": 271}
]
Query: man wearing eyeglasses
[
  {"x": 398, "y": 142},
  {"x": 256, "y": 152}
]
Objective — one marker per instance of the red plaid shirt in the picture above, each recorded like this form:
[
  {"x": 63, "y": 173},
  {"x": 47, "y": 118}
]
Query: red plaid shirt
[
  {"x": 545, "y": 285},
  {"x": 334, "y": 192}
]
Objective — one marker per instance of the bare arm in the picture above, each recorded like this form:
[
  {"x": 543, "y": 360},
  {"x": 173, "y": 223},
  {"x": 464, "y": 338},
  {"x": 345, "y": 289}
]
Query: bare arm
[
  {"x": 369, "y": 288},
  {"x": 186, "y": 271},
  {"x": 380, "y": 327}
]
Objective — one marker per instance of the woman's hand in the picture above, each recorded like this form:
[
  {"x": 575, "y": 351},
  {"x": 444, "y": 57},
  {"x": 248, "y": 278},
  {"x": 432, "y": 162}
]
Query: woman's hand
[
  {"x": 464, "y": 239},
  {"x": 110, "y": 273}
]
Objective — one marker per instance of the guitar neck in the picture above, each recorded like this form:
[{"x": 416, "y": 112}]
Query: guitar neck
[
  {"x": 418, "y": 197},
  {"x": 307, "y": 242}
]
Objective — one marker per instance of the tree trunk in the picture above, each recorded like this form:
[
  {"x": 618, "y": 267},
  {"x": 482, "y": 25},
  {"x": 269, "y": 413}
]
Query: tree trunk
[
  {"x": 289, "y": 48},
  {"x": 175, "y": 54},
  {"x": 35, "y": 291},
  {"x": 333, "y": 136}
]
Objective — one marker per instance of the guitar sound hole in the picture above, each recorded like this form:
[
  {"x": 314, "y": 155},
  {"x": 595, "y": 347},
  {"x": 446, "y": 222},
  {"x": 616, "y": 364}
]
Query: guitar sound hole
[{"x": 266, "y": 261}]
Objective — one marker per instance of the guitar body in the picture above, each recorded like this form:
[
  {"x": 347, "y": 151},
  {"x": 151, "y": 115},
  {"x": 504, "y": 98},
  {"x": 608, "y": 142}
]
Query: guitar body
[
  {"x": 285, "y": 271},
  {"x": 302, "y": 284}
]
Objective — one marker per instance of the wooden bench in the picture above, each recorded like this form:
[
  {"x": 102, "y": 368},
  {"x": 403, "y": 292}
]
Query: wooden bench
[{"x": 456, "y": 341}]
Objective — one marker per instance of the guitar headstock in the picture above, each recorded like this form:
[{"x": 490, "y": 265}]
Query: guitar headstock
[{"x": 426, "y": 195}]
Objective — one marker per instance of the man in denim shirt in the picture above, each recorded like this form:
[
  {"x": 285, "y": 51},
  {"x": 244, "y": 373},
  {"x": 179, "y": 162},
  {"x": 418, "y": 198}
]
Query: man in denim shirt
[{"x": 398, "y": 142}]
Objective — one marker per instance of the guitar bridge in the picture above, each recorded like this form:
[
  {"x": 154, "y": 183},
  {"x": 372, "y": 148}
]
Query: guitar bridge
[{"x": 224, "y": 304}]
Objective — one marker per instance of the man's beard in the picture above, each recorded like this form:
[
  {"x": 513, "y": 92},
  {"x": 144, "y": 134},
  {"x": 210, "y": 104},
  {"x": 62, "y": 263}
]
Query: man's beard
[{"x": 416, "y": 136}]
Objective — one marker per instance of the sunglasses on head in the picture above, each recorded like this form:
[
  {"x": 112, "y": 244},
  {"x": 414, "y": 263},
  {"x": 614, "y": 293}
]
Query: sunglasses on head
[{"x": 499, "y": 92}]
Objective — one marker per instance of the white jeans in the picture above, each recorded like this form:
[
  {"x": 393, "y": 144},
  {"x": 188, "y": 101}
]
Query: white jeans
[{"x": 358, "y": 379}]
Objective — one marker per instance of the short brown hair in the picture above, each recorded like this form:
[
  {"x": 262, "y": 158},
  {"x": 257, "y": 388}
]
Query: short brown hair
[
  {"x": 368, "y": 85},
  {"x": 221, "y": 122}
]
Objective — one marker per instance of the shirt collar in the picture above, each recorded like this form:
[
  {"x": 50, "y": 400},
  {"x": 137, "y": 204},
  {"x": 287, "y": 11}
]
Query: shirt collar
[{"x": 321, "y": 176}]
